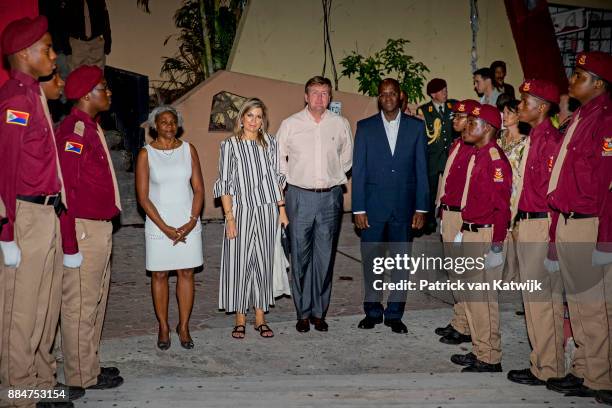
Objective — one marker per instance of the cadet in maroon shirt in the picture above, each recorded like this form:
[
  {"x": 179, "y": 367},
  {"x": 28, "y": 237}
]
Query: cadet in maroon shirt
[
  {"x": 485, "y": 209},
  {"x": 449, "y": 202},
  {"x": 578, "y": 188},
  {"x": 544, "y": 309},
  {"x": 93, "y": 200},
  {"x": 30, "y": 186}
]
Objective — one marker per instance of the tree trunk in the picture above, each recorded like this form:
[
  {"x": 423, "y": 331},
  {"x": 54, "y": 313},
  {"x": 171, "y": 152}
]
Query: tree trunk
[{"x": 207, "y": 60}]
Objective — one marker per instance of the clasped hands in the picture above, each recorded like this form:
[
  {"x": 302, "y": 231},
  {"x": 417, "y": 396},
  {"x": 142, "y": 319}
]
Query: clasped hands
[{"x": 179, "y": 234}]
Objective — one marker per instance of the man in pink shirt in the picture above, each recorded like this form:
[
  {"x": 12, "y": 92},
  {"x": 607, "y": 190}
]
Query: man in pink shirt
[{"x": 316, "y": 151}]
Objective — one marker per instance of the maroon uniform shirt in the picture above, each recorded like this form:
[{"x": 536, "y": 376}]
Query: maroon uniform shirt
[
  {"x": 586, "y": 171},
  {"x": 544, "y": 144},
  {"x": 455, "y": 181},
  {"x": 27, "y": 151},
  {"x": 488, "y": 196},
  {"x": 87, "y": 176}
]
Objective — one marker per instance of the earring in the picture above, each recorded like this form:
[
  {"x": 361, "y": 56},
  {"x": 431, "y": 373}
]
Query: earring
[
  {"x": 260, "y": 130},
  {"x": 241, "y": 125}
]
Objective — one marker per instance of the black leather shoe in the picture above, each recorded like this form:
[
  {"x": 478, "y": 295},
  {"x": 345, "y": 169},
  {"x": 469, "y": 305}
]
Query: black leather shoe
[
  {"x": 397, "y": 326},
  {"x": 73, "y": 392},
  {"x": 455, "y": 338},
  {"x": 302, "y": 325},
  {"x": 604, "y": 397},
  {"x": 525, "y": 377},
  {"x": 463, "y": 359},
  {"x": 63, "y": 404},
  {"x": 564, "y": 384},
  {"x": 482, "y": 367},
  {"x": 369, "y": 322},
  {"x": 583, "y": 391},
  {"x": 443, "y": 331},
  {"x": 109, "y": 371},
  {"x": 319, "y": 324},
  {"x": 105, "y": 383}
]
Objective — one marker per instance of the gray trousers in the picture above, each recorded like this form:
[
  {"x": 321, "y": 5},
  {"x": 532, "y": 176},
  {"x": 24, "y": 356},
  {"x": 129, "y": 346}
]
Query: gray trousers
[{"x": 314, "y": 221}]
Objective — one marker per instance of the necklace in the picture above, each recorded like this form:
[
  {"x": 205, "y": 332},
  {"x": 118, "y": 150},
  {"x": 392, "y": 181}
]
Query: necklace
[{"x": 169, "y": 151}]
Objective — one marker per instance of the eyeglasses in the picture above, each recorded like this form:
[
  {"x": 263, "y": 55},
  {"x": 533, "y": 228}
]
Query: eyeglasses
[{"x": 103, "y": 89}]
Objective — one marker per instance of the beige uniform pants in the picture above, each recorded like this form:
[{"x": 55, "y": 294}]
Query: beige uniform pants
[
  {"x": 85, "y": 292},
  {"x": 28, "y": 315},
  {"x": 481, "y": 307},
  {"x": 543, "y": 309},
  {"x": 86, "y": 53},
  {"x": 584, "y": 285},
  {"x": 450, "y": 227}
]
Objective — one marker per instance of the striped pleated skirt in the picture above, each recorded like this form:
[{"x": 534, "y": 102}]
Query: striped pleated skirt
[{"x": 248, "y": 259}]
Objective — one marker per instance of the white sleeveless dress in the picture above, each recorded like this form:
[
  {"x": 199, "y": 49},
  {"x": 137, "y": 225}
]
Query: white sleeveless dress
[{"x": 171, "y": 193}]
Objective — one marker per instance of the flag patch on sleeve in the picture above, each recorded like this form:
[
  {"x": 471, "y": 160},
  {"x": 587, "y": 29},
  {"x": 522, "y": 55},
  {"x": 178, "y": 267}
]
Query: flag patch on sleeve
[
  {"x": 15, "y": 117},
  {"x": 74, "y": 147}
]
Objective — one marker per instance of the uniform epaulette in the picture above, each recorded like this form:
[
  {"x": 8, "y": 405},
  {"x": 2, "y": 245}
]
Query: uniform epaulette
[
  {"x": 79, "y": 128},
  {"x": 494, "y": 154}
]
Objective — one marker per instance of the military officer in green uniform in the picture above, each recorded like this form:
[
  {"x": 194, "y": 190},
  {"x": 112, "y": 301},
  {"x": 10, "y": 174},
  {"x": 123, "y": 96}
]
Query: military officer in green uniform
[{"x": 437, "y": 115}]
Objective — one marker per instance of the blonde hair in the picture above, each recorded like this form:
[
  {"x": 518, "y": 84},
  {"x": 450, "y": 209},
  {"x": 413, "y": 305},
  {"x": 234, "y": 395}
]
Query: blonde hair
[{"x": 247, "y": 106}]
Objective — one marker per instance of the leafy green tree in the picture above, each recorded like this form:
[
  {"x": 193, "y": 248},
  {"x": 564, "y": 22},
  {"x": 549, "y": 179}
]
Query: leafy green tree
[
  {"x": 206, "y": 33},
  {"x": 391, "y": 61}
]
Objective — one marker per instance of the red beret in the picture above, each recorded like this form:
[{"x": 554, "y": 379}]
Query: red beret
[
  {"x": 597, "y": 62},
  {"x": 542, "y": 89},
  {"x": 488, "y": 113},
  {"x": 82, "y": 80},
  {"x": 22, "y": 33},
  {"x": 465, "y": 106},
  {"x": 435, "y": 85}
]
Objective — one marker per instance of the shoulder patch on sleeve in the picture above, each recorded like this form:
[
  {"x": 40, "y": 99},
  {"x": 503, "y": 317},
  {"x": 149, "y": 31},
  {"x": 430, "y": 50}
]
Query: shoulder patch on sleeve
[
  {"x": 494, "y": 154},
  {"x": 15, "y": 117},
  {"x": 73, "y": 147},
  {"x": 79, "y": 128}
]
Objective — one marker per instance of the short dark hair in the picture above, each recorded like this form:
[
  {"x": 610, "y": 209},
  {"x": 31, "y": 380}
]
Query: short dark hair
[
  {"x": 317, "y": 80},
  {"x": 497, "y": 64},
  {"x": 502, "y": 101},
  {"x": 511, "y": 103},
  {"x": 485, "y": 73},
  {"x": 391, "y": 81}
]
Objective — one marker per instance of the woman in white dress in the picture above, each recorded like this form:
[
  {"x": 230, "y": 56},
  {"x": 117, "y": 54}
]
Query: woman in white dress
[
  {"x": 250, "y": 188},
  {"x": 170, "y": 189}
]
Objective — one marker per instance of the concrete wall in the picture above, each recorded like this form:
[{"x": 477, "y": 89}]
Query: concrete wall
[
  {"x": 138, "y": 37},
  {"x": 284, "y": 40},
  {"x": 281, "y": 98}
]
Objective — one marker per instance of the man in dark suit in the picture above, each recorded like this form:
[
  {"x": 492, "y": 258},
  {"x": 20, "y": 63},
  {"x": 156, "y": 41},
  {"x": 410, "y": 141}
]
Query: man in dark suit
[
  {"x": 390, "y": 196},
  {"x": 437, "y": 114}
]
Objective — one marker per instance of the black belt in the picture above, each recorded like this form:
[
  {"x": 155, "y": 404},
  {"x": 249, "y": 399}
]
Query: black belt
[
  {"x": 450, "y": 207},
  {"x": 41, "y": 199},
  {"x": 527, "y": 215},
  {"x": 316, "y": 190},
  {"x": 468, "y": 226},
  {"x": 575, "y": 215},
  {"x": 53, "y": 200}
]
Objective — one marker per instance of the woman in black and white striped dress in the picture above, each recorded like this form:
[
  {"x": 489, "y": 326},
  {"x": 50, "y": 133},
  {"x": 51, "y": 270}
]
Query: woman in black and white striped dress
[{"x": 250, "y": 188}]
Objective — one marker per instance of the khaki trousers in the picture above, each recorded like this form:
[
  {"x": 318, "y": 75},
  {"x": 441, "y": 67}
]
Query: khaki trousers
[
  {"x": 481, "y": 307},
  {"x": 86, "y": 53},
  {"x": 584, "y": 285},
  {"x": 543, "y": 309},
  {"x": 85, "y": 292},
  {"x": 28, "y": 317},
  {"x": 450, "y": 227}
]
